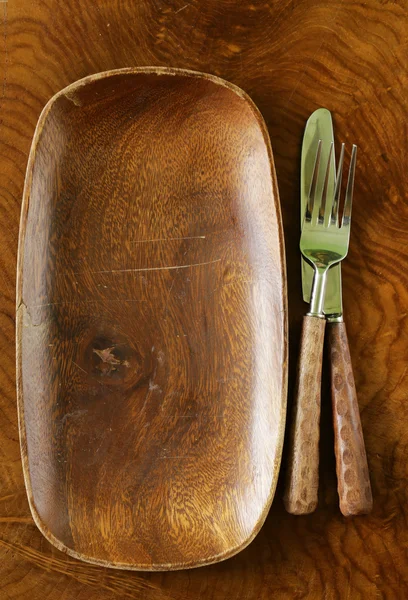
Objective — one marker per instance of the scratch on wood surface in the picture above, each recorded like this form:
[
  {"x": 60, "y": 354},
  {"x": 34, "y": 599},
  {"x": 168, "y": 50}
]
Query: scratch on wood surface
[
  {"x": 386, "y": 334},
  {"x": 9, "y": 496},
  {"x": 80, "y": 368},
  {"x": 323, "y": 39},
  {"x": 169, "y": 268},
  {"x": 63, "y": 303},
  {"x": 196, "y": 416},
  {"x": 80, "y": 572},
  {"x": 182, "y": 8},
  {"x": 191, "y": 237},
  {"x": 16, "y": 520},
  {"x": 167, "y": 457}
]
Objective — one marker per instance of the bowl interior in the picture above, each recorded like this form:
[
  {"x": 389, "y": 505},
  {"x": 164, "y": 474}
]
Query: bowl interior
[{"x": 151, "y": 321}]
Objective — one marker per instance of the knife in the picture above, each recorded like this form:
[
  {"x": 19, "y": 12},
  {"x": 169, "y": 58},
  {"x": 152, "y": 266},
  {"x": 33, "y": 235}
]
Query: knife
[
  {"x": 354, "y": 487},
  {"x": 319, "y": 127}
]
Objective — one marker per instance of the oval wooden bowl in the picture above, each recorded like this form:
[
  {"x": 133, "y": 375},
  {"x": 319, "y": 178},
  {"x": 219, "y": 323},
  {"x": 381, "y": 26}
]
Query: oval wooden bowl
[{"x": 151, "y": 320}]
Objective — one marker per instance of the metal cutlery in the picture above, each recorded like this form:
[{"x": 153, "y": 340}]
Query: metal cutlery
[
  {"x": 319, "y": 126},
  {"x": 324, "y": 244}
]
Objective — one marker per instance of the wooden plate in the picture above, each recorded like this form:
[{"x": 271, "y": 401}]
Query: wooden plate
[{"x": 151, "y": 320}]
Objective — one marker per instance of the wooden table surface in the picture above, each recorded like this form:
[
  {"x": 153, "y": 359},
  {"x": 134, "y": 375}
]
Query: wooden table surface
[{"x": 291, "y": 57}]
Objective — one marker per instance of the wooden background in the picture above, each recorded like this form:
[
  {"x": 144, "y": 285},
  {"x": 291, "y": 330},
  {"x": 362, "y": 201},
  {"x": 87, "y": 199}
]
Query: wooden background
[{"x": 291, "y": 57}]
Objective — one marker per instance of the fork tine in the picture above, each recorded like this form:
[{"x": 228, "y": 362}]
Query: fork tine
[
  {"x": 337, "y": 190},
  {"x": 313, "y": 184},
  {"x": 349, "y": 191},
  {"x": 322, "y": 209}
]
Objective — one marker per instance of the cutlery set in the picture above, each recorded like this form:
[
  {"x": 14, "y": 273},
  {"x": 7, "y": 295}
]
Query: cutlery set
[{"x": 324, "y": 244}]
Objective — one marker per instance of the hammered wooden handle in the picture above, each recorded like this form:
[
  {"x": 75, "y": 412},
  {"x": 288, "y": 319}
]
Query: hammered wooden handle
[
  {"x": 303, "y": 460},
  {"x": 353, "y": 481}
]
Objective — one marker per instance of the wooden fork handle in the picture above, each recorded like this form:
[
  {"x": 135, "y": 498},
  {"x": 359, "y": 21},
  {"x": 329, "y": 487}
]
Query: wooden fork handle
[
  {"x": 353, "y": 480},
  {"x": 303, "y": 465}
]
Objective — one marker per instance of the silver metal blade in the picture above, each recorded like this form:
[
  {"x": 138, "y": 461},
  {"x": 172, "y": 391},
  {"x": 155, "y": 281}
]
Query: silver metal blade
[{"x": 319, "y": 127}]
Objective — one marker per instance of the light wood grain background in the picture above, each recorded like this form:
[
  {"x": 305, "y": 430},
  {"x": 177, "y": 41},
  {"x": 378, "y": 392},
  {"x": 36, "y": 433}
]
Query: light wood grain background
[{"x": 291, "y": 57}]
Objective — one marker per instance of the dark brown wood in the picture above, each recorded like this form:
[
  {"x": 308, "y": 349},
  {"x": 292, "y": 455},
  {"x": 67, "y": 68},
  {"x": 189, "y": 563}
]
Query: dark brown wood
[
  {"x": 290, "y": 57},
  {"x": 302, "y": 479},
  {"x": 151, "y": 321},
  {"x": 353, "y": 480}
]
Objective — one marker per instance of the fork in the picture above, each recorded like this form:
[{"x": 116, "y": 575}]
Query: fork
[{"x": 323, "y": 244}]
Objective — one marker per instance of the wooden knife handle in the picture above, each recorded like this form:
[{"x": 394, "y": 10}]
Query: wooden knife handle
[
  {"x": 303, "y": 464},
  {"x": 353, "y": 481}
]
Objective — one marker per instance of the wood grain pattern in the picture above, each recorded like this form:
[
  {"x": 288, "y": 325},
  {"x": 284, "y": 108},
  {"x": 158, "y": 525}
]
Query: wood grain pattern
[
  {"x": 151, "y": 321},
  {"x": 353, "y": 480},
  {"x": 302, "y": 478},
  {"x": 291, "y": 58}
]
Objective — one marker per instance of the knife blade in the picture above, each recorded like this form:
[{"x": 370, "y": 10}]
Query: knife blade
[{"x": 319, "y": 127}]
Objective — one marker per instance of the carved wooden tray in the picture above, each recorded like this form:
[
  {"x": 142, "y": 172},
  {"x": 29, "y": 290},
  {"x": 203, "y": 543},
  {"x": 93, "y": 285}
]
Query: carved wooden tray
[{"x": 151, "y": 320}]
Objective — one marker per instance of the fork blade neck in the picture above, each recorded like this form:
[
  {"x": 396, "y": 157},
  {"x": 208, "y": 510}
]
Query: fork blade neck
[{"x": 317, "y": 296}]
